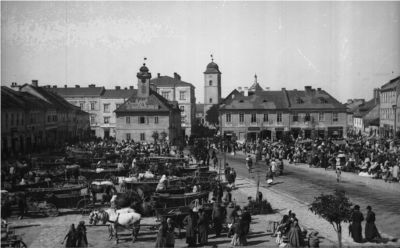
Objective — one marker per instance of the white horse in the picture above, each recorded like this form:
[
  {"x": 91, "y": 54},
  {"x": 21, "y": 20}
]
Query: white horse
[{"x": 125, "y": 217}]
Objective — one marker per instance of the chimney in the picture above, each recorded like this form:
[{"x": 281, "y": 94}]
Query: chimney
[
  {"x": 158, "y": 75},
  {"x": 283, "y": 89},
  {"x": 54, "y": 86},
  {"x": 318, "y": 89},
  {"x": 14, "y": 86},
  {"x": 376, "y": 95},
  {"x": 92, "y": 85},
  {"x": 117, "y": 87},
  {"x": 35, "y": 83},
  {"x": 77, "y": 86},
  {"x": 246, "y": 91},
  {"x": 307, "y": 88},
  {"x": 126, "y": 88},
  {"x": 65, "y": 86},
  {"x": 131, "y": 87},
  {"x": 177, "y": 76},
  {"x": 267, "y": 88}
]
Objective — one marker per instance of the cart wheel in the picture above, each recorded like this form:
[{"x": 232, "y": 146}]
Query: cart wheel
[
  {"x": 51, "y": 210},
  {"x": 83, "y": 206}
]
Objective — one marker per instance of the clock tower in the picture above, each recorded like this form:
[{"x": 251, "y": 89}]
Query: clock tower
[
  {"x": 144, "y": 76},
  {"x": 212, "y": 85}
]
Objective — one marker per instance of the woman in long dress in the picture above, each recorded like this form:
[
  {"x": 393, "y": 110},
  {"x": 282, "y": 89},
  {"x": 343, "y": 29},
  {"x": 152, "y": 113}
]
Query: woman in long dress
[
  {"x": 190, "y": 223},
  {"x": 371, "y": 231},
  {"x": 81, "y": 235},
  {"x": 70, "y": 237},
  {"x": 161, "y": 240},
  {"x": 202, "y": 225},
  {"x": 355, "y": 228},
  {"x": 170, "y": 240}
]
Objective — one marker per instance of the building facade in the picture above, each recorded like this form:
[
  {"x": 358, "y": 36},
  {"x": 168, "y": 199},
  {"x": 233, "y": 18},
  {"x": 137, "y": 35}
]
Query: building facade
[
  {"x": 388, "y": 110},
  {"x": 174, "y": 89},
  {"x": 255, "y": 113},
  {"x": 88, "y": 99},
  {"x": 146, "y": 112},
  {"x": 33, "y": 119},
  {"x": 110, "y": 100}
]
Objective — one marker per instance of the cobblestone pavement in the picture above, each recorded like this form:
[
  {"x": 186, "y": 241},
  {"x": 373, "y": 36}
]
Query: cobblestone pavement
[{"x": 302, "y": 184}]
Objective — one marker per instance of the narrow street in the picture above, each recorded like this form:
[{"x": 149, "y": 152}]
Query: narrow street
[{"x": 305, "y": 184}]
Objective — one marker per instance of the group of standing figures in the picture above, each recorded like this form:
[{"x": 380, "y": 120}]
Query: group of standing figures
[
  {"x": 355, "y": 228},
  {"x": 76, "y": 237}
]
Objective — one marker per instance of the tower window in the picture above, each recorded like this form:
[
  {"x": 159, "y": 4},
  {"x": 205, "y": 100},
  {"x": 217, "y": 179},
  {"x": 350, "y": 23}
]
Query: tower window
[
  {"x": 241, "y": 117},
  {"x": 210, "y": 100},
  {"x": 210, "y": 83}
]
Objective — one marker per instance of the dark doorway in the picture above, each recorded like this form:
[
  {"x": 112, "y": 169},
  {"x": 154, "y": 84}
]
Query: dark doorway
[
  {"x": 106, "y": 133},
  {"x": 265, "y": 134}
]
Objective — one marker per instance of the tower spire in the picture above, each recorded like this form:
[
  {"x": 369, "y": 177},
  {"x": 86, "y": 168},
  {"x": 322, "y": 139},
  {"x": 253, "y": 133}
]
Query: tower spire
[
  {"x": 255, "y": 78},
  {"x": 212, "y": 58}
]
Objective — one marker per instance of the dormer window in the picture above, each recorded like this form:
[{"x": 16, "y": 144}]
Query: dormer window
[
  {"x": 240, "y": 100},
  {"x": 299, "y": 100},
  {"x": 323, "y": 100},
  {"x": 265, "y": 100}
]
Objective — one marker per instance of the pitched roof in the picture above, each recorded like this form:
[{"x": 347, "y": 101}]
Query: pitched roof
[
  {"x": 168, "y": 81},
  {"x": 391, "y": 84},
  {"x": 257, "y": 101},
  {"x": 116, "y": 94},
  {"x": 76, "y": 92},
  {"x": 255, "y": 87},
  {"x": 364, "y": 109},
  {"x": 11, "y": 99},
  {"x": 155, "y": 103},
  {"x": 313, "y": 99}
]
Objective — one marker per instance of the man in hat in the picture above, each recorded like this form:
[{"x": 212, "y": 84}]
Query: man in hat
[
  {"x": 231, "y": 216},
  {"x": 249, "y": 164},
  {"x": 217, "y": 217}
]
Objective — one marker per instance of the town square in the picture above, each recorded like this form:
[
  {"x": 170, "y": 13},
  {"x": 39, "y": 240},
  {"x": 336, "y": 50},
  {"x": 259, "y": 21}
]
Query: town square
[{"x": 200, "y": 124}]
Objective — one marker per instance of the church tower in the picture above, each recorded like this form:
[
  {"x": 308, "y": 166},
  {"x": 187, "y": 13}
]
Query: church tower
[
  {"x": 212, "y": 85},
  {"x": 143, "y": 87}
]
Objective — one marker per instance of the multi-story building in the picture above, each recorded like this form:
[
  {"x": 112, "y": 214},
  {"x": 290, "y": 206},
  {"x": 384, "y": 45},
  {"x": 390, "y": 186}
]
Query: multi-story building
[
  {"x": 88, "y": 99},
  {"x": 388, "y": 110},
  {"x": 146, "y": 112},
  {"x": 366, "y": 116},
  {"x": 110, "y": 101},
  {"x": 33, "y": 118},
  {"x": 256, "y": 113},
  {"x": 174, "y": 89}
]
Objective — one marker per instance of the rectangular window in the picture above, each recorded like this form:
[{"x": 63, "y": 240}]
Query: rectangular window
[
  {"x": 183, "y": 119},
  {"x": 142, "y": 120},
  {"x": 92, "y": 120},
  {"x": 142, "y": 136},
  {"x": 106, "y": 120},
  {"x": 165, "y": 94},
  {"x": 210, "y": 100},
  {"x": 156, "y": 119},
  {"x": 82, "y": 105},
  {"x": 265, "y": 117},
  {"x": 182, "y": 108},
  {"x": 128, "y": 136},
  {"x": 253, "y": 118},
  {"x": 182, "y": 95},
  {"x": 279, "y": 117},
  {"x": 307, "y": 117},
  {"x": 295, "y": 117},
  {"x": 107, "y": 108},
  {"x": 321, "y": 116},
  {"x": 335, "y": 117},
  {"x": 128, "y": 119},
  {"x": 12, "y": 119},
  {"x": 228, "y": 118},
  {"x": 241, "y": 117}
]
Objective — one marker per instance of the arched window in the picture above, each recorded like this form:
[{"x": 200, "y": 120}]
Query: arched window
[
  {"x": 210, "y": 83},
  {"x": 210, "y": 100}
]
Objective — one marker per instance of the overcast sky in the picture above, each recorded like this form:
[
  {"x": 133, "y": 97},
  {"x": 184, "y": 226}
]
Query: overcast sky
[{"x": 346, "y": 48}]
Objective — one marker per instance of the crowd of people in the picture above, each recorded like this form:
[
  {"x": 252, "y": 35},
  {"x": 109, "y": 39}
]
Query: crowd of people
[{"x": 377, "y": 159}]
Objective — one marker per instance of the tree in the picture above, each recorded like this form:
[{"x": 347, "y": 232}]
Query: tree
[
  {"x": 155, "y": 136},
  {"x": 163, "y": 136},
  {"x": 212, "y": 115},
  {"x": 335, "y": 209}
]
